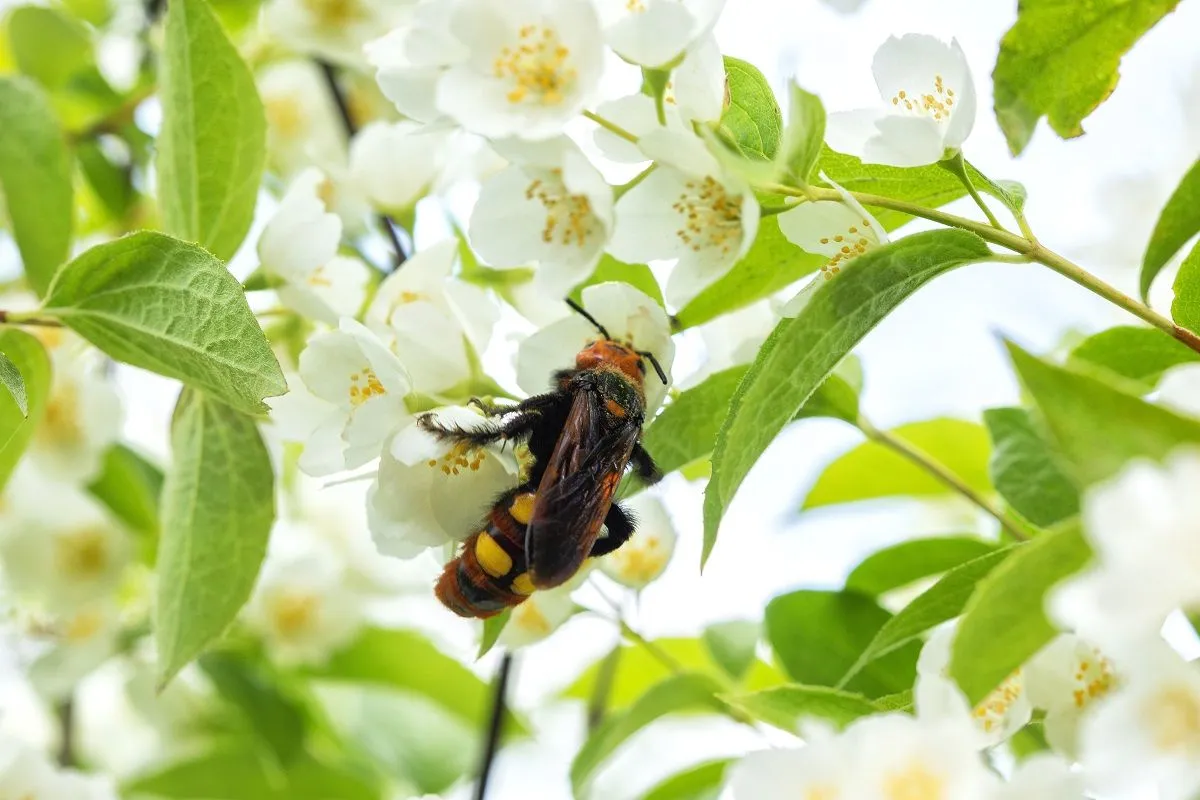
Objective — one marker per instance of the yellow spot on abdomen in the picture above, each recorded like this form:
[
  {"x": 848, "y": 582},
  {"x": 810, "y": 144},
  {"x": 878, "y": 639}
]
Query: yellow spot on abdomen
[
  {"x": 522, "y": 584},
  {"x": 522, "y": 508},
  {"x": 491, "y": 556}
]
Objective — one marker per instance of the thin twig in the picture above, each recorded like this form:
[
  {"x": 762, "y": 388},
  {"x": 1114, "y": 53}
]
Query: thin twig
[
  {"x": 343, "y": 106},
  {"x": 602, "y": 689},
  {"x": 492, "y": 743},
  {"x": 19, "y": 318},
  {"x": 65, "y": 712}
]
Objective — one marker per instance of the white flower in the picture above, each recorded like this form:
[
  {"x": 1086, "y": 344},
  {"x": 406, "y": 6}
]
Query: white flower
[
  {"x": 645, "y": 556},
  {"x": 26, "y": 774},
  {"x": 840, "y": 230},
  {"x": 333, "y": 29},
  {"x": 300, "y": 245},
  {"x": 304, "y": 607},
  {"x": 1146, "y": 735},
  {"x": 687, "y": 209},
  {"x": 81, "y": 642},
  {"x": 534, "y": 66},
  {"x": 396, "y": 163},
  {"x": 998, "y": 716},
  {"x": 1041, "y": 777},
  {"x": 554, "y": 208},
  {"x": 929, "y": 105},
  {"x": 1144, "y": 529},
  {"x": 1180, "y": 389},
  {"x": 905, "y": 757},
  {"x": 540, "y": 615},
  {"x": 1065, "y": 679},
  {"x": 348, "y": 400},
  {"x": 60, "y": 550},
  {"x": 411, "y": 59},
  {"x": 654, "y": 33},
  {"x": 818, "y": 771},
  {"x": 431, "y": 318},
  {"x": 733, "y": 339},
  {"x": 628, "y": 315},
  {"x": 429, "y": 493},
  {"x": 302, "y": 121}
]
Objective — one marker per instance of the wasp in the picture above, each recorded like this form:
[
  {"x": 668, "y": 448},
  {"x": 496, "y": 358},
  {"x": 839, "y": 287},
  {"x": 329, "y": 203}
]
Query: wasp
[{"x": 581, "y": 437}]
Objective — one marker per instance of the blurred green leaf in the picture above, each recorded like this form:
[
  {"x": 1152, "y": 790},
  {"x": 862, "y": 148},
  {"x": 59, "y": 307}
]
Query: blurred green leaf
[
  {"x": 803, "y": 350},
  {"x": 804, "y": 135},
  {"x": 1026, "y": 471},
  {"x": 1140, "y": 355},
  {"x": 35, "y": 176},
  {"x": 172, "y": 308},
  {"x": 242, "y": 774},
  {"x": 1097, "y": 426},
  {"x": 941, "y": 602},
  {"x": 112, "y": 183},
  {"x": 751, "y": 119},
  {"x": 872, "y": 470},
  {"x": 819, "y": 635},
  {"x": 1060, "y": 61},
  {"x": 130, "y": 486},
  {"x": 1004, "y": 622},
  {"x": 701, "y": 782},
  {"x": 638, "y": 276},
  {"x": 786, "y": 707},
  {"x": 492, "y": 628},
  {"x": 213, "y": 143},
  {"x": 1185, "y": 308},
  {"x": 276, "y": 719},
  {"x": 906, "y": 562},
  {"x": 680, "y": 693},
  {"x": 732, "y": 645},
  {"x": 218, "y": 505},
  {"x": 17, "y": 424}
]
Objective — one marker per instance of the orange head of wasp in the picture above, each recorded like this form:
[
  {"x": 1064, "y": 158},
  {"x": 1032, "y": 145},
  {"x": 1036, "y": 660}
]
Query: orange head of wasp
[{"x": 608, "y": 351}]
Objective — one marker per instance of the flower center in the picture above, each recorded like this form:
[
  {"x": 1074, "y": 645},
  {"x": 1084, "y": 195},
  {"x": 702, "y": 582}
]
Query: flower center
[
  {"x": 318, "y": 277},
  {"x": 712, "y": 217},
  {"x": 991, "y": 712},
  {"x": 641, "y": 563},
  {"x": 294, "y": 613},
  {"x": 82, "y": 554},
  {"x": 537, "y": 67},
  {"x": 363, "y": 386},
  {"x": 461, "y": 456},
  {"x": 635, "y": 6},
  {"x": 915, "y": 783},
  {"x": 1093, "y": 678},
  {"x": 83, "y": 626},
  {"x": 853, "y": 243},
  {"x": 60, "y": 426},
  {"x": 286, "y": 116},
  {"x": 937, "y": 104},
  {"x": 332, "y": 13},
  {"x": 530, "y": 617},
  {"x": 569, "y": 217},
  {"x": 823, "y": 792},
  {"x": 1174, "y": 717}
]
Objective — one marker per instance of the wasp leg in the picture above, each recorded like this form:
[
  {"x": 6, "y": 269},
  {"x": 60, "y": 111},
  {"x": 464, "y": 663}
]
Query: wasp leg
[
  {"x": 644, "y": 466},
  {"x": 524, "y": 417},
  {"x": 620, "y": 524}
]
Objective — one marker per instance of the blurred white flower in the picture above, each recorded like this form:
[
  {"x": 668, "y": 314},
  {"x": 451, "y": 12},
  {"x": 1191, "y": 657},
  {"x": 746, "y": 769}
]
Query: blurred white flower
[
  {"x": 540, "y": 615},
  {"x": 998, "y": 716},
  {"x": 411, "y": 59},
  {"x": 300, "y": 245},
  {"x": 688, "y": 209},
  {"x": 304, "y": 607},
  {"x": 347, "y": 401},
  {"x": 303, "y": 127},
  {"x": 1146, "y": 735},
  {"x": 333, "y": 29},
  {"x": 821, "y": 770},
  {"x": 396, "y": 163},
  {"x": 845, "y": 6},
  {"x": 431, "y": 319},
  {"x": 26, "y": 774},
  {"x": 1180, "y": 389},
  {"x": 733, "y": 339},
  {"x": 642, "y": 559},
  {"x": 840, "y": 230},
  {"x": 429, "y": 493},
  {"x": 929, "y": 105},
  {"x": 629, "y": 315},
  {"x": 654, "y": 33},
  {"x": 1041, "y": 777},
  {"x": 1144, "y": 528},
  {"x": 1066, "y": 678},
  {"x": 550, "y": 206},
  {"x": 79, "y": 643}
]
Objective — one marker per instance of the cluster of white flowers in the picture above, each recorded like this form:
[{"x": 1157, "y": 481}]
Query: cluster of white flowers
[{"x": 28, "y": 773}]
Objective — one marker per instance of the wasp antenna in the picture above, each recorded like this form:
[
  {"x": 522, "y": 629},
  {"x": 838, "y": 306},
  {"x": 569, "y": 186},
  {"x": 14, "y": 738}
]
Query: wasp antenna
[
  {"x": 646, "y": 354},
  {"x": 578, "y": 309}
]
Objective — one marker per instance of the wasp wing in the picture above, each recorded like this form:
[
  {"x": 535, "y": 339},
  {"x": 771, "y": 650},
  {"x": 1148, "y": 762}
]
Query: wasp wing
[{"x": 577, "y": 489}]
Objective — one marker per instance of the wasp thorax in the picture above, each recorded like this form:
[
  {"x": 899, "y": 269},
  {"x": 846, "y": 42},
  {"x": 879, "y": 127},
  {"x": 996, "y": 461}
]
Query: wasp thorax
[
  {"x": 538, "y": 68},
  {"x": 712, "y": 217}
]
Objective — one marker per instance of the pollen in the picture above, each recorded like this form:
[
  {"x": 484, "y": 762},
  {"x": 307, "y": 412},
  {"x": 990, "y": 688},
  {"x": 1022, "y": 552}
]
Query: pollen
[
  {"x": 318, "y": 278},
  {"x": 569, "y": 217},
  {"x": 635, "y": 6},
  {"x": 531, "y": 618},
  {"x": 641, "y": 562},
  {"x": 712, "y": 217},
  {"x": 937, "y": 104},
  {"x": 286, "y": 116},
  {"x": 333, "y": 14},
  {"x": 854, "y": 246},
  {"x": 915, "y": 783},
  {"x": 294, "y": 613},
  {"x": 991, "y": 712},
  {"x": 83, "y": 626},
  {"x": 364, "y": 385},
  {"x": 1094, "y": 679},
  {"x": 537, "y": 68},
  {"x": 1173, "y": 716},
  {"x": 82, "y": 554},
  {"x": 61, "y": 422},
  {"x": 459, "y": 459}
]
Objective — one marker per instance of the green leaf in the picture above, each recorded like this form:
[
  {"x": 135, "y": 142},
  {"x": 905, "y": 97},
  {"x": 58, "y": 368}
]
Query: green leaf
[
  {"x": 18, "y": 421},
  {"x": 243, "y": 774},
  {"x": 492, "y": 628},
  {"x": 1060, "y": 61},
  {"x": 213, "y": 143},
  {"x": 941, "y": 602},
  {"x": 804, "y": 135},
  {"x": 684, "y": 692},
  {"x": 685, "y": 430},
  {"x": 172, "y": 308},
  {"x": 751, "y": 118},
  {"x": 802, "y": 351},
  {"x": 772, "y": 263},
  {"x": 130, "y": 486},
  {"x": 1178, "y": 222},
  {"x": 906, "y": 562},
  {"x": 638, "y": 276},
  {"x": 218, "y": 504},
  {"x": 1004, "y": 622},
  {"x": 1185, "y": 308},
  {"x": 900, "y": 701},
  {"x": 929, "y": 186},
  {"x": 10, "y": 376},
  {"x": 1097, "y": 426},
  {"x": 276, "y": 719},
  {"x": 818, "y": 636},
  {"x": 701, "y": 782},
  {"x": 35, "y": 175},
  {"x": 732, "y": 644},
  {"x": 787, "y": 706},
  {"x": 871, "y": 470},
  {"x": 1140, "y": 355},
  {"x": 49, "y": 46},
  {"x": 834, "y": 398},
  {"x": 1026, "y": 471},
  {"x": 111, "y": 182}
]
